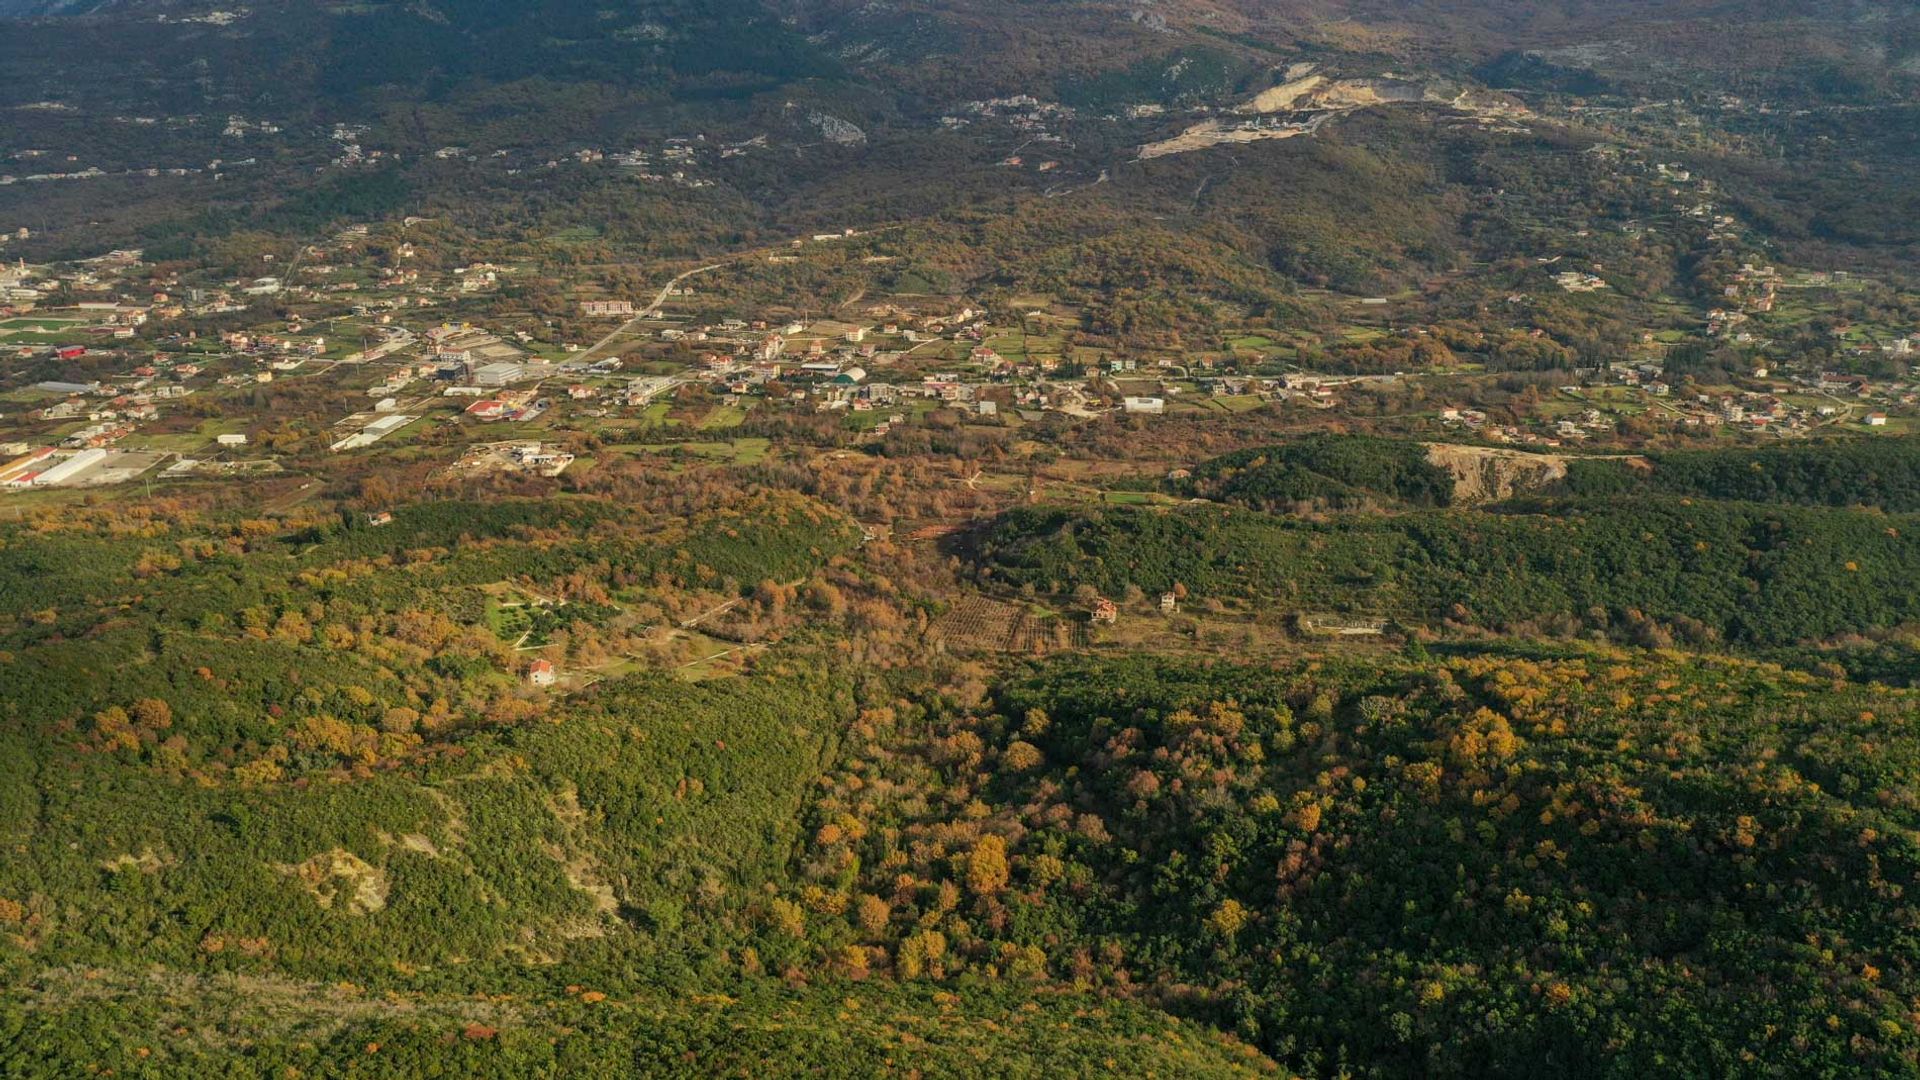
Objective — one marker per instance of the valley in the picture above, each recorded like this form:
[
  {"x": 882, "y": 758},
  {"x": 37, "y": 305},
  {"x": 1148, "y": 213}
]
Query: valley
[{"x": 719, "y": 538}]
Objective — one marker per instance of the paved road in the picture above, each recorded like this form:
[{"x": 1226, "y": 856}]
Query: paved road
[{"x": 646, "y": 313}]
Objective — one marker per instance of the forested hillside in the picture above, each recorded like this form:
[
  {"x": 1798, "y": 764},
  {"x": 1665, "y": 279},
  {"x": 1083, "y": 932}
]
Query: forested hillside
[
  {"x": 282, "y": 801},
  {"x": 1457, "y": 863},
  {"x": 1736, "y": 572},
  {"x": 1593, "y": 863},
  {"x": 1882, "y": 473},
  {"x": 959, "y": 538},
  {"x": 1325, "y": 471}
]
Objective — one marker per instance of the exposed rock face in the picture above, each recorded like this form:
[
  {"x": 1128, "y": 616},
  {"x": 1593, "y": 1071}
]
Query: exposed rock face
[
  {"x": 1321, "y": 92},
  {"x": 1286, "y": 96},
  {"x": 1216, "y": 133},
  {"x": 1302, "y": 104},
  {"x": 837, "y": 130},
  {"x": 1488, "y": 474},
  {"x": 147, "y": 862},
  {"x": 341, "y": 877}
]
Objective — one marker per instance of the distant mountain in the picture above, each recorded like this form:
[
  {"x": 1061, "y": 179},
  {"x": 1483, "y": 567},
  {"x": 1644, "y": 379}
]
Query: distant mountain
[
  {"x": 184, "y": 57},
  {"x": 29, "y": 9},
  {"x": 903, "y": 83},
  {"x": 1870, "y": 43}
]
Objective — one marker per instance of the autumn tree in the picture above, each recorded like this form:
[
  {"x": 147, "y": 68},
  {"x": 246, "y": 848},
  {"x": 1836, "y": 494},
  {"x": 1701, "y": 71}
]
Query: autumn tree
[{"x": 987, "y": 866}]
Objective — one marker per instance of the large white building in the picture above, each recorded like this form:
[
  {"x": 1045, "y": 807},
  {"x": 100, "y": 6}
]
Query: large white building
[
  {"x": 71, "y": 467},
  {"x": 497, "y": 374}
]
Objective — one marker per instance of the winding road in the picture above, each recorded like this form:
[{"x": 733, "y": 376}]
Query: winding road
[{"x": 646, "y": 313}]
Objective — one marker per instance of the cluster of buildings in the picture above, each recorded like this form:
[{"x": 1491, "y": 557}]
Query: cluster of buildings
[
  {"x": 512, "y": 457},
  {"x": 48, "y": 467},
  {"x": 365, "y": 429},
  {"x": 1563, "y": 431},
  {"x": 1575, "y": 281},
  {"x": 113, "y": 409},
  {"x": 512, "y": 405},
  {"x": 1754, "y": 288},
  {"x": 76, "y": 463},
  {"x": 1846, "y": 396}
]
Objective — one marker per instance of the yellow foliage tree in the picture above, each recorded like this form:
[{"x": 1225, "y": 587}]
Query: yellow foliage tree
[
  {"x": 922, "y": 954},
  {"x": 1229, "y": 918},
  {"x": 787, "y": 917},
  {"x": 1021, "y": 756},
  {"x": 872, "y": 913},
  {"x": 987, "y": 866}
]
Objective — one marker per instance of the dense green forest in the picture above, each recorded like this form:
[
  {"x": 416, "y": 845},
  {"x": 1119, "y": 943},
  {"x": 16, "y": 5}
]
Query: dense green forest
[
  {"x": 289, "y": 647},
  {"x": 1593, "y": 863},
  {"x": 633, "y": 839},
  {"x": 1324, "y": 470},
  {"x": 316, "y": 818},
  {"x": 1710, "y": 570},
  {"x": 1461, "y": 862},
  {"x": 1883, "y": 473},
  {"x": 271, "y": 1027},
  {"x": 281, "y": 802}
]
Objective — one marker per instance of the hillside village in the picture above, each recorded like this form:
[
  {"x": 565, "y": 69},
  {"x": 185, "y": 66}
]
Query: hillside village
[
  {"x": 134, "y": 372},
  {"x": 390, "y": 332}
]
